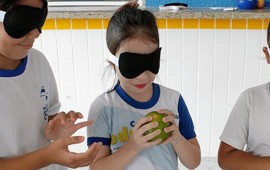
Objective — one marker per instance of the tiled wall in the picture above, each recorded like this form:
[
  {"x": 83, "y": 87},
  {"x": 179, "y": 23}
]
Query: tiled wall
[{"x": 209, "y": 61}]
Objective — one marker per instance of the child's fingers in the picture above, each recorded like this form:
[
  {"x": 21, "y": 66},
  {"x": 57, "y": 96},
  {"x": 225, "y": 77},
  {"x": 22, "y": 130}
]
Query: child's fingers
[
  {"x": 142, "y": 121},
  {"x": 83, "y": 124},
  {"x": 74, "y": 115}
]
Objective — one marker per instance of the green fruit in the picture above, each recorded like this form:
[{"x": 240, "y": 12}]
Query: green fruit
[{"x": 157, "y": 117}]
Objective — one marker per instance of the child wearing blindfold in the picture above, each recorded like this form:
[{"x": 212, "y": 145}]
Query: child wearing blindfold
[
  {"x": 32, "y": 135},
  {"x": 119, "y": 115},
  {"x": 245, "y": 140}
]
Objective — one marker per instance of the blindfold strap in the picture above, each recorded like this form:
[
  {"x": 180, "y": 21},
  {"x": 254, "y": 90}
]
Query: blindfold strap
[
  {"x": 2, "y": 15},
  {"x": 113, "y": 59}
]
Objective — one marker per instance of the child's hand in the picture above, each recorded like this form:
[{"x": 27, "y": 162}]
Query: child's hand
[
  {"x": 138, "y": 140},
  {"x": 58, "y": 152},
  {"x": 172, "y": 129},
  {"x": 63, "y": 125}
]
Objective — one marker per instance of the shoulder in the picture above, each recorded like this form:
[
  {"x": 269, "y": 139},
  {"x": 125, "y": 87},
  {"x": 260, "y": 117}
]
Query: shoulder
[
  {"x": 104, "y": 99},
  {"x": 35, "y": 53},
  {"x": 37, "y": 58},
  {"x": 256, "y": 91},
  {"x": 166, "y": 91}
]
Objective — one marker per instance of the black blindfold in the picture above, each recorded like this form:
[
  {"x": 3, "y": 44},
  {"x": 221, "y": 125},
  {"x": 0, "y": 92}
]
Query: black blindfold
[
  {"x": 22, "y": 19},
  {"x": 132, "y": 65}
]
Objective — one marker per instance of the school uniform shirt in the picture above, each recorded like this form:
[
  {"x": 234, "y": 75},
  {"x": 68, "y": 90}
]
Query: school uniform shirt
[
  {"x": 116, "y": 113},
  {"x": 28, "y": 96},
  {"x": 248, "y": 125}
]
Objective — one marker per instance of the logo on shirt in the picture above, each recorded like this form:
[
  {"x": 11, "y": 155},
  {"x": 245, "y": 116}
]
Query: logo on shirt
[
  {"x": 44, "y": 96},
  {"x": 122, "y": 136}
]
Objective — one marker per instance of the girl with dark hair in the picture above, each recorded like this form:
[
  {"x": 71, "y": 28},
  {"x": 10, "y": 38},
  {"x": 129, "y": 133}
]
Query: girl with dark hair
[{"x": 119, "y": 115}]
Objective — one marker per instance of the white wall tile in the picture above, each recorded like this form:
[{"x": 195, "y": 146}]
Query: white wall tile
[
  {"x": 189, "y": 69},
  {"x": 174, "y": 37},
  {"x": 175, "y": 82},
  {"x": 222, "y": 37},
  {"x": 79, "y": 37},
  {"x": 174, "y": 68},
  {"x": 238, "y": 37},
  {"x": 254, "y": 37},
  {"x": 204, "y": 98},
  {"x": 204, "y": 113},
  {"x": 222, "y": 53},
  {"x": 64, "y": 37},
  {"x": 206, "y": 53},
  {"x": 205, "y": 68},
  {"x": 237, "y": 68},
  {"x": 49, "y": 37},
  {"x": 219, "y": 98},
  {"x": 189, "y": 83},
  {"x": 205, "y": 83},
  {"x": 221, "y": 69},
  {"x": 65, "y": 53},
  {"x": 206, "y": 37},
  {"x": 80, "y": 52},
  {"x": 68, "y": 82},
  {"x": 191, "y": 37},
  {"x": 238, "y": 52},
  {"x": 66, "y": 68}
]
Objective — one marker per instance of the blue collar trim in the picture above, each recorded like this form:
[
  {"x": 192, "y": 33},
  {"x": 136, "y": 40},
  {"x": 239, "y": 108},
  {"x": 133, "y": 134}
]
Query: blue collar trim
[
  {"x": 13, "y": 73},
  {"x": 136, "y": 104}
]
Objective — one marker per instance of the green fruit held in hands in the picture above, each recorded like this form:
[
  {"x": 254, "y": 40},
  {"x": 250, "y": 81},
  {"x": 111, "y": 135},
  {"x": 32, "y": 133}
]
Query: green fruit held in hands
[{"x": 157, "y": 117}]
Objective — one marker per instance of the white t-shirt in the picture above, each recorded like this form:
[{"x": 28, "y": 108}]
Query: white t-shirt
[
  {"x": 116, "y": 113},
  {"x": 249, "y": 122},
  {"x": 28, "y": 96}
]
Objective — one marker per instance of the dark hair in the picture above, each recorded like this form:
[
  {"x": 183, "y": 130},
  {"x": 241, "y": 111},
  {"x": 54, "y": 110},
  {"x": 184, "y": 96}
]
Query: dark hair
[
  {"x": 268, "y": 35},
  {"x": 6, "y": 5},
  {"x": 130, "y": 22}
]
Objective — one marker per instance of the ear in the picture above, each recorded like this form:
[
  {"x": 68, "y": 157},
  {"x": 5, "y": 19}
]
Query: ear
[{"x": 266, "y": 53}]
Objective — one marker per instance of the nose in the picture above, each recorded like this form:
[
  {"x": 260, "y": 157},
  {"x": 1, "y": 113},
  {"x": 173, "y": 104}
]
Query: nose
[
  {"x": 142, "y": 76},
  {"x": 33, "y": 34}
]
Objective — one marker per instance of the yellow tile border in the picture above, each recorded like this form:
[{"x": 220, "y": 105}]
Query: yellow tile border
[
  {"x": 265, "y": 23},
  {"x": 105, "y": 23},
  {"x": 239, "y": 23},
  {"x": 78, "y": 24},
  {"x": 94, "y": 23},
  {"x": 49, "y": 24},
  {"x": 223, "y": 24},
  {"x": 63, "y": 24},
  {"x": 174, "y": 23},
  {"x": 207, "y": 23},
  {"x": 163, "y": 23},
  {"x": 190, "y": 23},
  {"x": 254, "y": 24}
]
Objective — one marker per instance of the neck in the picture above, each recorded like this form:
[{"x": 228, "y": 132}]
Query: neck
[
  {"x": 144, "y": 96},
  {"x": 8, "y": 64}
]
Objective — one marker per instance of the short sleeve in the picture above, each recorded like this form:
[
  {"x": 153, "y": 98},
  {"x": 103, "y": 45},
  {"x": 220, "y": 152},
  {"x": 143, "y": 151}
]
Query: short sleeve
[
  {"x": 235, "y": 132},
  {"x": 99, "y": 131},
  {"x": 186, "y": 126}
]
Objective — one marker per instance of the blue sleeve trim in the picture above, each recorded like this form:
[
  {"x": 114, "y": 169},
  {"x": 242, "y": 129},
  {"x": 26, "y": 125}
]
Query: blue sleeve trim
[
  {"x": 105, "y": 141},
  {"x": 186, "y": 126}
]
